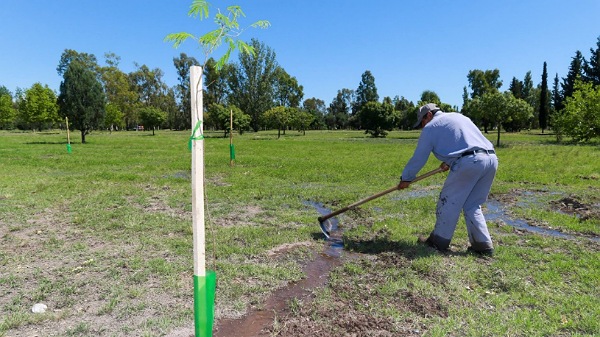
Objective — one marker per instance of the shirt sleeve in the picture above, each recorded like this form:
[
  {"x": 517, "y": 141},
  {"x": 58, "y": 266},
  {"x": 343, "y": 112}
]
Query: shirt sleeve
[{"x": 419, "y": 157}]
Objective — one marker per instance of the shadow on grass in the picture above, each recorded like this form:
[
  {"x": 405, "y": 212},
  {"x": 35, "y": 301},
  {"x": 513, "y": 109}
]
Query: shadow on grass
[{"x": 381, "y": 244}]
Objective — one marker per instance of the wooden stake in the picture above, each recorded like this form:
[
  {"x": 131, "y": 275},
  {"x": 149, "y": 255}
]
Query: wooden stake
[{"x": 198, "y": 172}]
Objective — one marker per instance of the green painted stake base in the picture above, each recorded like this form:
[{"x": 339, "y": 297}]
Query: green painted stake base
[
  {"x": 68, "y": 148},
  {"x": 204, "y": 303},
  {"x": 231, "y": 152}
]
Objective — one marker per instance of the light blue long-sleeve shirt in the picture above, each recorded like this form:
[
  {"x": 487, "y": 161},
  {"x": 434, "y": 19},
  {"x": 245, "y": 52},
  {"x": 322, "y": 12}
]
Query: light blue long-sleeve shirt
[{"x": 447, "y": 135}]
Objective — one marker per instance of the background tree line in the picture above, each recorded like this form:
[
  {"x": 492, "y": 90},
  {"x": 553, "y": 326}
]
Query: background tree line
[{"x": 260, "y": 95}]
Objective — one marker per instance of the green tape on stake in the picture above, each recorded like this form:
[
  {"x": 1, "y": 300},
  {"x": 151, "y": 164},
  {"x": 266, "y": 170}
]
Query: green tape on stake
[
  {"x": 204, "y": 303},
  {"x": 231, "y": 152},
  {"x": 69, "y": 148}
]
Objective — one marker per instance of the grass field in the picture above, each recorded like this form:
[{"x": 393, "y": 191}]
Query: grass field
[{"x": 103, "y": 236}]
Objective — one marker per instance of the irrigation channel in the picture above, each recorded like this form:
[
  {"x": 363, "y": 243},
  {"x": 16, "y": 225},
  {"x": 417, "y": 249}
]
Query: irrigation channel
[{"x": 256, "y": 322}]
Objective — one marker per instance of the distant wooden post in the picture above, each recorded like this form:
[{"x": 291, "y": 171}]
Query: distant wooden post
[{"x": 231, "y": 148}]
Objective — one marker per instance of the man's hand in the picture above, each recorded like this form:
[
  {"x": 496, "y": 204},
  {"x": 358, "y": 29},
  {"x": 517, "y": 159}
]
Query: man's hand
[{"x": 445, "y": 167}]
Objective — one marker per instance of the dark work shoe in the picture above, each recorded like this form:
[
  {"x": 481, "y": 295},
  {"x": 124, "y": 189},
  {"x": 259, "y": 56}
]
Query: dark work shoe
[
  {"x": 426, "y": 240},
  {"x": 483, "y": 252}
]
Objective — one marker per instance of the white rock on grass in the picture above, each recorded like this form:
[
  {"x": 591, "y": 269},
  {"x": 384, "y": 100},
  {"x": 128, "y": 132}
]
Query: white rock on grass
[{"x": 39, "y": 308}]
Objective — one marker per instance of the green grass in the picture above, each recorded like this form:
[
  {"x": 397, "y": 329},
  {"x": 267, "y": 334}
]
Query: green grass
[{"x": 108, "y": 228}]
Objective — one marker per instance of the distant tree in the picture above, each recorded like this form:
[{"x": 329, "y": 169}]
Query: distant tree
[
  {"x": 338, "y": 112},
  {"x": 301, "y": 120},
  {"x": 119, "y": 93},
  {"x": 366, "y": 92},
  {"x": 38, "y": 108},
  {"x": 516, "y": 87},
  {"x": 575, "y": 73},
  {"x": 149, "y": 85},
  {"x": 287, "y": 91},
  {"x": 377, "y": 118},
  {"x": 406, "y": 112},
  {"x": 81, "y": 99},
  {"x": 8, "y": 113},
  {"x": 113, "y": 118},
  {"x": 152, "y": 117},
  {"x": 220, "y": 117},
  {"x": 580, "y": 119},
  {"x": 86, "y": 60},
  {"x": 252, "y": 82},
  {"x": 592, "y": 68},
  {"x": 484, "y": 81},
  {"x": 279, "y": 117},
  {"x": 180, "y": 118},
  {"x": 215, "y": 83},
  {"x": 500, "y": 108},
  {"x": 544, "y": 100},
  {"x": 317, "y": 108},
  {"x": 429, "y": 96},
  {"x": 557, "y": 99}
]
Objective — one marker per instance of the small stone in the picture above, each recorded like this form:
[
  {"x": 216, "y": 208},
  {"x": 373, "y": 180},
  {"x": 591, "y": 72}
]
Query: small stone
[{"x": 39, "y": 308}]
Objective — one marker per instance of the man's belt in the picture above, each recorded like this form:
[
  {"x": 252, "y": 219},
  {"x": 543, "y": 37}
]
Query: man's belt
[{"x": 470, "y": 153}]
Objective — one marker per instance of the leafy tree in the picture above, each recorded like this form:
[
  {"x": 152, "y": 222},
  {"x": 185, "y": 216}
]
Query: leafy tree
[
  {"x": 592, "y": 68},
  {"x": 252, "y": 82},
  {"x": 339, "y": 110},
  {"x": 119, "y": 93},
  {"x": 429, "y": 96},
  {"x": 149, "y": 85},
  {"x": 301, "y": 119},
  {"x": 152, "y": 117},
  {"x": 406, "y": 112},
  {"x": 316, "y": 107},
  {"x": 220, "y": 117},
  {"x": 580, "y": 119},
  {"x": 215, "y": 83},
  {"x": 287, "y": 90},
  {"x": 113, "y": 118},
  {"x": 38, "y": 107},
  {"x": 81, "y": 99},
  {"x": 279, "y": 117},
  {"x": 484, "y": 81},
  {"x": 366, "y": 91},
  {"x": 180, "y": 120},
  {"x": 544, "y": 100},
  {"x": 500, "y": 108},
  {"x": 377, "y": 118},
  {"x": 86, "y": 60},
  {"x": 8, "y": 113}
]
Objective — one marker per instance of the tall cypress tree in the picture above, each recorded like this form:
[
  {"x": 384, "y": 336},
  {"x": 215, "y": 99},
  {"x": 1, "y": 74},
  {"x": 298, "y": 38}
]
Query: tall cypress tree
[
  {"x": 543, "y": 112},
  {"x": 557, "y": 100}
]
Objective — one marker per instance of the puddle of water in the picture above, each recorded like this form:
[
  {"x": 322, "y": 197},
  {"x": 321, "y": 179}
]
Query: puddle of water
[{"x": 495, "y": 211}]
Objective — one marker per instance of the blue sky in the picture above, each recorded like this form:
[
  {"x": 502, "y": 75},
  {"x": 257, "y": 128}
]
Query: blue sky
[{"x": 409, "y": 46}]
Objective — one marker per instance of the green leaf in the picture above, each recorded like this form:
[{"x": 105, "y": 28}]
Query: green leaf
[
  {"x": 264, "y": 24},
  {"x": 178, "y": 38},
  {"x": 199, "y": 8}
]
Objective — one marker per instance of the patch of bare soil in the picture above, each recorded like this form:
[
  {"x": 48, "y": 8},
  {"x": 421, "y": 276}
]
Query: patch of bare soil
[
  {"x": 355, "y": 305},
  {"x": 571, "y": 205}
]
